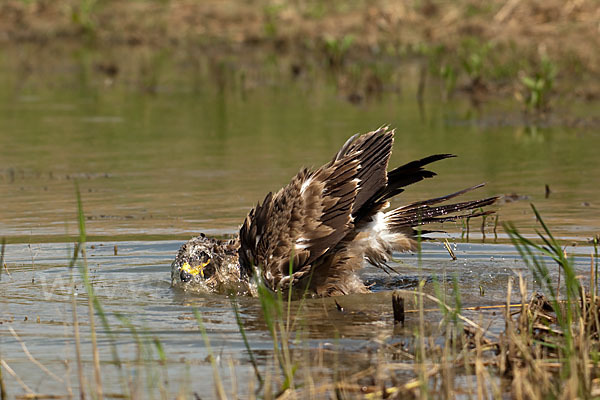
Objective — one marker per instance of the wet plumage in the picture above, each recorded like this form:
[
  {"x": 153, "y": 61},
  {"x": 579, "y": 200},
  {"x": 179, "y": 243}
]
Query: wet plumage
[{"x": 315, "y": 233}]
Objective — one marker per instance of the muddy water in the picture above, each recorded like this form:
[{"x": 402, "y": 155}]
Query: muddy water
[{"x": 154, "y": 169}]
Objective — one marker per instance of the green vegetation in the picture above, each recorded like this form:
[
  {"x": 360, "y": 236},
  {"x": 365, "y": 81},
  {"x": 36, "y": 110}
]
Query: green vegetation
[
  {"x": 539, "y": 85},
  {"x": 484, "y": 51},
  {"x": 83, "y": 15},
  {"x": 271, "y": 17},
  {"x": 569, "y": 335},
  {"x": 473, "y": 57},
  {"x": 336, "y": 49}
]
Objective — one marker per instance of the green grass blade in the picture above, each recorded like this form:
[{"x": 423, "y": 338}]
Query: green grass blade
[{"x": 240, "y": 325}]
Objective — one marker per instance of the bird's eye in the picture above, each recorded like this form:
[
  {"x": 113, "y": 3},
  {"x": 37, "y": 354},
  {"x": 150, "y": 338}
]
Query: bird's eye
[{"x": 203, "y": 256}]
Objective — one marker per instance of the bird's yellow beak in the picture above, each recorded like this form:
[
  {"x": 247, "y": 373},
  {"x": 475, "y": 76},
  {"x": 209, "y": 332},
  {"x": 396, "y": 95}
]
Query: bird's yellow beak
[{"x": 195, "y": 270}]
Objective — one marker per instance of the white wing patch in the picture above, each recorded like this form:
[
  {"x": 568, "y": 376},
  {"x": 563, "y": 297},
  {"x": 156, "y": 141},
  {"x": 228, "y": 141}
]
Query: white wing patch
[
  {"x": 301, "y": 243},
  {"x": 305, "y": 185},
  {"x": 380, "y": 240}
]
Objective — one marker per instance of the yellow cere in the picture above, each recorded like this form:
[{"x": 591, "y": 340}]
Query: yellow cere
[{"x": 195, "y": 270}]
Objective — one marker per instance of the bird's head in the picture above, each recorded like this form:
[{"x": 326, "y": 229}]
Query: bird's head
[
  {"x": 196, "y": 261},
  {"x": 205, "y": 262}
]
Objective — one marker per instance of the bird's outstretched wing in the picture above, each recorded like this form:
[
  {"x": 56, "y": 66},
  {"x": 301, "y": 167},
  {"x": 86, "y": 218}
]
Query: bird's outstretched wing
[{"x": 314, "y": 212}]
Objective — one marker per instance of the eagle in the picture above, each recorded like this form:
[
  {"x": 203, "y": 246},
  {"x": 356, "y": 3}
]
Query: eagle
[{"x": 315, "y": 234}]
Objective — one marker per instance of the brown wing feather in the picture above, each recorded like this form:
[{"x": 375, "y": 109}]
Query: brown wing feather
[
  {"x": 374, "y": 149},
  {"x": 313, "y": 213}
]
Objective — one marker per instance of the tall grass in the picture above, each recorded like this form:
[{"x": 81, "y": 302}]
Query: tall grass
[
  {"x": 574, "y": 342},
  {"x": 532, "y": 254}
]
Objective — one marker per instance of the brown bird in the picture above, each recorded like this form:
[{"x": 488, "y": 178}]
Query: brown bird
[{"x": 315, "y": 233}]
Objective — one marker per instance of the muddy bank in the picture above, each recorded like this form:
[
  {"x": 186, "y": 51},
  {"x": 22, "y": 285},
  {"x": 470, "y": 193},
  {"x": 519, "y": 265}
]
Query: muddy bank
[{"x": 531, "y": 51}]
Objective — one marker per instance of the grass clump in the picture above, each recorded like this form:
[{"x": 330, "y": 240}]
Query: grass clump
[
  {"x": 560, "y": 327},
  {"x": 538, "y": 85},
  {"x": 82, "y": 15},
  {"x": 337, "y": 48}
]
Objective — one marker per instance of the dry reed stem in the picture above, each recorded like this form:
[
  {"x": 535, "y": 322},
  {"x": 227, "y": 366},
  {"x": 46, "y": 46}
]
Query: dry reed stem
[
  {"x": 592, "y": 278},
  {"x": 77, "y": 341},
  {"x": 3, "y": 394},
  {"x": 31, "y": 358},
  {"x": 422, "y": 372},
  {"x": 234, "y": 391},
  {"x": 473, "y": 308},
  {"x": 479, "y": 368},
  {"x": 449, "y": 249},
  {"x": 67, "y": 378},
  {"x": 322, "y": 389},
  {"x": 17, "y": 378},
  {"x": 506, "y": 11}
]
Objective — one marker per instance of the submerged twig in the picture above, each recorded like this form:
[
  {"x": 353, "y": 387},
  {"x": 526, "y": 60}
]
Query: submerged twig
[{"x": 398, "y": 307}]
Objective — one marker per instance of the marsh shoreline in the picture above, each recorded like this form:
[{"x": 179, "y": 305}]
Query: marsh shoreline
[{"x": 539, "y": 55}]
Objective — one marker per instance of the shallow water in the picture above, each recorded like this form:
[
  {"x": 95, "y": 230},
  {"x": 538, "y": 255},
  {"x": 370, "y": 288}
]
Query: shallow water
[{"x": 156, "y": 169}]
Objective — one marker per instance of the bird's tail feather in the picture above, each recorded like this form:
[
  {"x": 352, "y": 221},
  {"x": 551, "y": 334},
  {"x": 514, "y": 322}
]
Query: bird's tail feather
[
  {"x": 395, "y": 230},
  {"x": 428, "y": 212}
]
